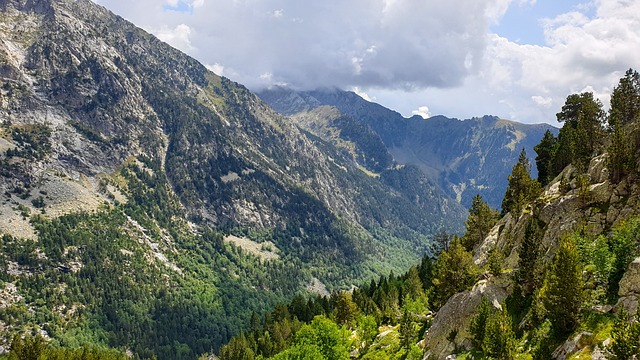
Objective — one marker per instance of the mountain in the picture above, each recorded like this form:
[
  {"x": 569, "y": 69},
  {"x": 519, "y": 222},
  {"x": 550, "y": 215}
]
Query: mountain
[
  {"x": 151, "y": 205},
  {"x": 465, "y": 158}
]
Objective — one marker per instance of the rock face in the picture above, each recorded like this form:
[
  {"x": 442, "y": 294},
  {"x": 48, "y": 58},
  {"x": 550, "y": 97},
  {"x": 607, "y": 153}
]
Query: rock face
[
  {"x": 449, "y": 331},
  {"x": 562, "y": 208},
  {"x": 464, "y": 157},
  {"x": 629, "y": 290}
]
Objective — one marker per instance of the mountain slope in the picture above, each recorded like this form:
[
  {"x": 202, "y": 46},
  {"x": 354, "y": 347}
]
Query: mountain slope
[
  {"x": 465, "y": 157},
  {"x": 144, "y": 195}
]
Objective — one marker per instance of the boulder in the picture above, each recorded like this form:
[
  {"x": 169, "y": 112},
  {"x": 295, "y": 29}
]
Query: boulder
[
  {"x": 630, "y": 282},
  {"x": 629, "y": 290},
  {"x": 572, "y": 346},
  {"x": 450, "y": 328}
]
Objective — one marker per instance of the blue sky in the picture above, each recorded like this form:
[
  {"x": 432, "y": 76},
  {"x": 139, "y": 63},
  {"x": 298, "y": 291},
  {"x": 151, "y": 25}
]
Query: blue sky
[
  {"x": 523, "y": 23},
  {"x": 517, "y": 59}
]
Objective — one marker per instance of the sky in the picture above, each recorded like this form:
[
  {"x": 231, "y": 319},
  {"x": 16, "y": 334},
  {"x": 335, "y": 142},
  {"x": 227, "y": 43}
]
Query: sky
[{"x": 516, "y": 59}]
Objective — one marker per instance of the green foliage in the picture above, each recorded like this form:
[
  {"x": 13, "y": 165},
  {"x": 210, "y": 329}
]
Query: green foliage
[
  {"x": 583, "y": 114},
  {"x": 624, "y": 245},
  {"x": 620, "y": 161},
  {"x": 406, "y": 330},
  {"x": 625, "y": 337},
  {"x": 454, "y": 271},
  {"x": 597, "y": 261},
  {"x": 541, "y": 341},
  {"x": 494, "y": 261},
  {"x": 545, "y": 150},
  {"x": 345, "y": 309},
  {"x": 529, "y": 274},
  {"x": 562, "y": 290},
  {"x": 499, "y": 340},
  {"x": 480, "y": 221},
  {"x": 625, "y": 99},
  {"x": 327, "y": 336},
  {"x": 33, "y": 141},
  {"x": 479, "y": 322},
  {"x": 521, "y": 189},
  {"x": 35, "y": 348}
]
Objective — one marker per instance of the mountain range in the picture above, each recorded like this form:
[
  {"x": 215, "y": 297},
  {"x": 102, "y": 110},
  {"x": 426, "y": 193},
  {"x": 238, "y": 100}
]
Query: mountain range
[
  {"x": 151, "y": 205},
  {"x": 464, "y": 157}
]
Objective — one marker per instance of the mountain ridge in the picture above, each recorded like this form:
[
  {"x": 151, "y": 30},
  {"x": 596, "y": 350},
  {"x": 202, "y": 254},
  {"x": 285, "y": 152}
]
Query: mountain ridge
[{"x": 465, "y": 157}]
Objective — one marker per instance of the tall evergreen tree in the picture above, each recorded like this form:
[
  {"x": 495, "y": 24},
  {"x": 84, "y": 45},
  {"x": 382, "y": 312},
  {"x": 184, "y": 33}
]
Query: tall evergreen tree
[
  {"x": 528, "y": 276},
  {"x": 562, "y": 290},
  {"x": 522, "y": 189},
  {"x": 545, "y": 151},
  {"x": 479, "y": 222},
  {"x": 499, "y": 339},
  {"x": 583, "y": 117},
  {"x": 454, "y": 271},
  {"x": 625, "y": 99}
]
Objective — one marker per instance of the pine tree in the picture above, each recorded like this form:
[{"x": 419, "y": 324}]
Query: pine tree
[
  {"x": 528, "y": 276},
  {"x": 413, "y": 285},
  {"x": 620, "y": 160},
  {"x": 346, "y": 309},
  {"x": 625, "y": 336},
  {"x": 583, "y": 117},
  {"x": 454, "y": 271},
  {"x": 625, "y": 99},
  {"x": 562, "y": 290},
  {"x": 545, "y": 151},
  {"x": 521, "y": 189},
  {"x": 480, "y": 221},
  {"x": 625, "y": 110},
  {"x": 479, "y": 322},
  {"x": 499, "y": 339},
  {"x": 406, "y": 330}
]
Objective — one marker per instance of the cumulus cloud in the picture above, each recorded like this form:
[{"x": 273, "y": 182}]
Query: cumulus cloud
[
  {"x": 178, "y": 37},
  {"x": 404, "y": 53},
  {"x": 581, "y": 53},
  {"x": 402, "y": 44},
  {"x": 422, "y": 111}
]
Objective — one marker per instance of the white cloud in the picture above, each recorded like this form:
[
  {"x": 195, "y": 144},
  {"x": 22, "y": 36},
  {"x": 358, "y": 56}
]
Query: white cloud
[
  {"x": 216, "y": 68},
  {"x": 361, "y": 93},
  {"x": 422, "y": 111},
  {"x": 406, "y": 52},
  {"x": 179, "y": 37},
  {"x": 543, "y": 101}
]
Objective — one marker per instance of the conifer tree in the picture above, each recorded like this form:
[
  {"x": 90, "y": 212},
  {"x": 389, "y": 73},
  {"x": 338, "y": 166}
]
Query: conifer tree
[
  {"x": 346, "y": 309},
  {"x": 406, "y": 330},
  {"x": 562, "y": 290},
  {"x": 620, "y": 160},
  {"x": 521, "y": 189},
  {"x": 583, "y": 117},
  {"x": 625, "y": 99},
  {"x": 545, "y": 151},
  {"x": 499, "y": 339},
  {"x": 413, "y": 284},
  {"x": 479, "y": 222},
  {"x": 625, "y": 110},
  {"x": 528, "y": 276},
  {"x": 454, "y": 271}
]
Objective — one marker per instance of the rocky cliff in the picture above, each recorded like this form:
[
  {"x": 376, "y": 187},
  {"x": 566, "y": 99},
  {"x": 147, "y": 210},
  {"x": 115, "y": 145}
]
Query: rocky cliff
[{"x": 567, "y": 205}]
